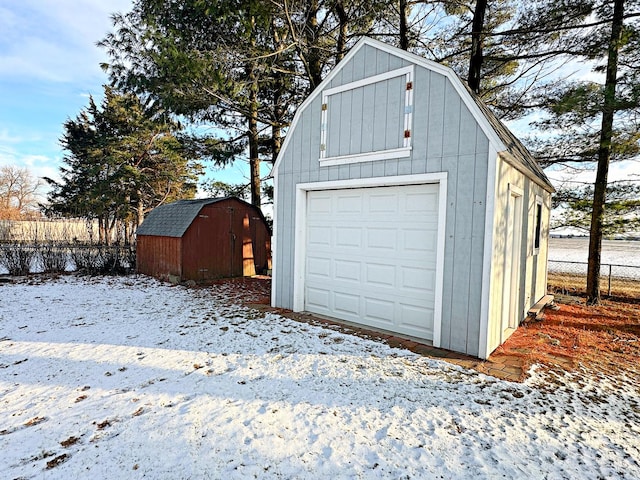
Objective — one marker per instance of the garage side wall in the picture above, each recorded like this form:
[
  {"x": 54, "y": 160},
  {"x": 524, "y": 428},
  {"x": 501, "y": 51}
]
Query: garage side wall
[
  {"x": 533, "y": 276},
  {"x": 445, "y": 137}
]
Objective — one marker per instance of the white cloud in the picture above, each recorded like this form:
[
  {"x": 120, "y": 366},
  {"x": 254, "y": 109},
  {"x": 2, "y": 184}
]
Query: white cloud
[{"x": 55, "y": 40}]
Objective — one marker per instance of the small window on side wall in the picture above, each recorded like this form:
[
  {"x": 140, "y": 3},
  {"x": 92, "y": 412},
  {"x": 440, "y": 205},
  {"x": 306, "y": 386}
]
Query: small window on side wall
[{"x": 538, "y": 225}]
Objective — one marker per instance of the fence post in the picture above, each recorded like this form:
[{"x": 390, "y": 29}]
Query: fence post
[{"x": 609, "y": 289}]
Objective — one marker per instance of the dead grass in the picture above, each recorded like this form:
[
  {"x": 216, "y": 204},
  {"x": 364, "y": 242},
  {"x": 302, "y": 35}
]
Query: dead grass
[
  {"x": 602, "y": 339},
  {"x": 573, "y": 284}
]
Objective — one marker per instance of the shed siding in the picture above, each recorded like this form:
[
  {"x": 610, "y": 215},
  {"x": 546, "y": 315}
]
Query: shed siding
[
  {"x": 445, "y": 138},
  {"x": 158, "y": 256},
  {"x": 533, "y": 281}
]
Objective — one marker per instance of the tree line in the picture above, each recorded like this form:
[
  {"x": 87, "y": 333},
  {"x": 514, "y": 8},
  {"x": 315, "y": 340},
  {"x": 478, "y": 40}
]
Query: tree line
[{"x": 243, "y": 66}]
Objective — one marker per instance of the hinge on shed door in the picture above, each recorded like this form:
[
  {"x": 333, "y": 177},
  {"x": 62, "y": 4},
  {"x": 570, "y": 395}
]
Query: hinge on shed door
[
  {"x": 407, "y": 134},
  {"x": 324, "y": 106},
  {"x": 409, "y": 85}
]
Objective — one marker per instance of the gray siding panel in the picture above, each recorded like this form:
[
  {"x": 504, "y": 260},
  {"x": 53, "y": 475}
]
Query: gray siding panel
[
  {"x": 358, "y": 63},
  {"x": 468, "y": 129},
  {"x": 451, "y": 122},
  {"x": 382, "y": 62},
  {"x": 370, "y": 61},
  {"x": 462, "y": 253},
  {"x": 368, "y": 100},
  {"x": 379, "y": 115},
  {"x": 435, "y": 112},
  {"x": 357, "y": 119},
  {"x": 345, "y": 125}
]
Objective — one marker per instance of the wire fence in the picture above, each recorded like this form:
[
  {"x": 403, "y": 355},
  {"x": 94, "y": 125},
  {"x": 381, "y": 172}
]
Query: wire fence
[{"x": 615, "y": 280}]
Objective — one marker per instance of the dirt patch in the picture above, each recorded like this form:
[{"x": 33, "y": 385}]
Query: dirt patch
[{"x": 57, "y": 461}]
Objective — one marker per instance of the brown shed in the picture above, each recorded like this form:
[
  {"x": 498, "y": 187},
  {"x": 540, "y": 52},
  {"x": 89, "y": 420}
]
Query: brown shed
[{"x": 204, "y": 239}]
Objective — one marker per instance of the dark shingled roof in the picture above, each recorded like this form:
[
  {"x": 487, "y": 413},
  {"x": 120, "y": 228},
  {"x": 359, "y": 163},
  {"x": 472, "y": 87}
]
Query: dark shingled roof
[
  {"x": 516, "y": 152},
  {"x": 173, "y": 219}
]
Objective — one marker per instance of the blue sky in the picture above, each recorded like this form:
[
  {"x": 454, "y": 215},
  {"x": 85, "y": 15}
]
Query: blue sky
[{"x": 49, "y": 65}]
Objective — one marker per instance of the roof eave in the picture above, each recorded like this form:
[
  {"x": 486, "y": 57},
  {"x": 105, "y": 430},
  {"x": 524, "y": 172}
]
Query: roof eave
[{"x": 513, "y": 162}]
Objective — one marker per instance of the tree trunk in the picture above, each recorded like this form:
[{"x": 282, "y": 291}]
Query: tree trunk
[
  {"x": 343, "y": 30},
  {"x": 314, "y": 64},
  {"x": 404, "y": 29},
  {"x": 254, "y": 159},
  {"x": 604, "y": 155},
  {"x": 475, "y": 63}
]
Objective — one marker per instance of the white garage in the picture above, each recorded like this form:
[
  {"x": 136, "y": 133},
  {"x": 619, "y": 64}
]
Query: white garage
[{"x": 403, "y": 204}]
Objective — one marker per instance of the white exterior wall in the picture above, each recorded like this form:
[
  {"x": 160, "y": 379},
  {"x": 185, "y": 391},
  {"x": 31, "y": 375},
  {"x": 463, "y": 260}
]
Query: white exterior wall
[{"x": 533, "y": 278}]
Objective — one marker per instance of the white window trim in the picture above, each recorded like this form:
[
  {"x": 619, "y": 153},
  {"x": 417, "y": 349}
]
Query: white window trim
[
  {"x": 366, "y": 157},
  {"x": 300, "y": 232},
  {"x": 405, "y": 151}
]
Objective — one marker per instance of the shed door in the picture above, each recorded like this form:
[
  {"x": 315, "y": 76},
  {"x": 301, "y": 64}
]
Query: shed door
[{"x": 371, "y": 256}]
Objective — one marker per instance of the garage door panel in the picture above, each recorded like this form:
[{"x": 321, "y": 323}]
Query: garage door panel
[
  {"x": 417, "y": 203},
  {"x": 418, "y": 279},
  {"x": 348, "y": 270},
  {"x": 371, "y": 256},
  {"x": 317, "y": 298},
  {"x": 382, "y": 239},
  {"x": 317, "y": 235},
  {"x": 319, "y": 204},
  {"x": 319, "y": 267},
  {"x": 348, "y": 237},
  {"x": 349, "y": 204},
  {"x": 346, "y": 303},
  {"x": 418, "y": 240},
  {"x": 413, "y": 317},
  {"x": 379, "y": 310},
  {"x": 380, "y": 274},
  {"x": 383, "y": 203}
]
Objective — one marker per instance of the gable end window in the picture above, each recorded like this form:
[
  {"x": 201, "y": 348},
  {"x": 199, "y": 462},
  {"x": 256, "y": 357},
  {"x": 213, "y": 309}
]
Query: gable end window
[{"x": 369, "y": 119}]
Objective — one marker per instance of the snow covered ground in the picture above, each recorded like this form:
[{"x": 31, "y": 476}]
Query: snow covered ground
[
  {"x": 617, "y": 252},
  {"x": 126, "y": 378}
]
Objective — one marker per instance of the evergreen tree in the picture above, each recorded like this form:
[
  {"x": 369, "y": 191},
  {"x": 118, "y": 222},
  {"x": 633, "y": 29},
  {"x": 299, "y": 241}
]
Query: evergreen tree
[
  {"x": 621, "y": 212},
  {"x": 594, "y": 122},
  {"x": 122, "y": 160},
  {"x": 220, "y": 63}
]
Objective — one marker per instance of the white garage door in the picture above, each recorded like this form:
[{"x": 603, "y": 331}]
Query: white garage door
[{"x": 371, "y": 256}]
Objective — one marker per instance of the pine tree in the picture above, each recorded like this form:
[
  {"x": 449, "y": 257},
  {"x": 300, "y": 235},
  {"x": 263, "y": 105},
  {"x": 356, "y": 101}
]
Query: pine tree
[
  {"x": 122, "y": 160},
  {"x": 594, "y": 121}
]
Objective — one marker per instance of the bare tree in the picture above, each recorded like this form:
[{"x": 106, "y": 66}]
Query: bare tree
[{"x": 18, "y": 192}]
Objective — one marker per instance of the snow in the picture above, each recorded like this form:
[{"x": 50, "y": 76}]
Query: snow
[
  {"x": 616, "y": 252},
  {"x": 126, "y": 378}
]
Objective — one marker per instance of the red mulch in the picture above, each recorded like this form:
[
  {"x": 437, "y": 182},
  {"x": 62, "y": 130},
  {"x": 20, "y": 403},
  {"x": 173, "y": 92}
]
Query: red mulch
[{"x": 604, "y": 338}]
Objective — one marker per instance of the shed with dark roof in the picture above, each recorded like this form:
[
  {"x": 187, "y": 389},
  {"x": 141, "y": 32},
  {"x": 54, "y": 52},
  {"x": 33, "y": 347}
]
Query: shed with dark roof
[
  {"x": 203, "y": 239},
  {"x": 404, "y": 204}
]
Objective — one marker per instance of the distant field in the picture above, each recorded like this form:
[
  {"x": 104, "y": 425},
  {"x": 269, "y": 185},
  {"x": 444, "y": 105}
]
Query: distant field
[{"x": 619, "y": 252}]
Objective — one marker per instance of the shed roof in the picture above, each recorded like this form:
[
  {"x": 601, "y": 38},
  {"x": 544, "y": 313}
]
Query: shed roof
[
  {"x": 515, "y": 152},
  {"x": 173, "y": 219}
]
